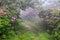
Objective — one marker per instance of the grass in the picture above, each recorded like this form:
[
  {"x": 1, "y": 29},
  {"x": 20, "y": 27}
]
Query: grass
[{"x": 31, "y": 36}]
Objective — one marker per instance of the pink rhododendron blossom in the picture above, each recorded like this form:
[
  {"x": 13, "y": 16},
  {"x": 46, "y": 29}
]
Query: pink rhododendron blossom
[{"x": 2, "y": 12}]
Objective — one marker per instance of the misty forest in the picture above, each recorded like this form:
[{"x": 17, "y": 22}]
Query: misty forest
[{"x": 29, "y": 19}]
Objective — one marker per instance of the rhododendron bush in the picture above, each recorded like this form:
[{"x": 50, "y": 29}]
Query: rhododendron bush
[{"x": 8, "y": 21}]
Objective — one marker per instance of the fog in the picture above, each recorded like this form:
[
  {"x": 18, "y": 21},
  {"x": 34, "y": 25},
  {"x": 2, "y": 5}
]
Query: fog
[{"x": 35, "y": 9}]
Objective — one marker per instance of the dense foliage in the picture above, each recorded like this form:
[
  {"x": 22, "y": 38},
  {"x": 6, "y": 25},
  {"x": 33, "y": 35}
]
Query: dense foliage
[{"x": 8, "y": 20}]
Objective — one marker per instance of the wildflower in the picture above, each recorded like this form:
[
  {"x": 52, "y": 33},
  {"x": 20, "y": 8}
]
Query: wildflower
[
  {"x": 47, "y": 16},
  {"x": 57, "y": 14},
  {"x": 14, "y": 18},
  {"x": 52, "y": 17}
]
